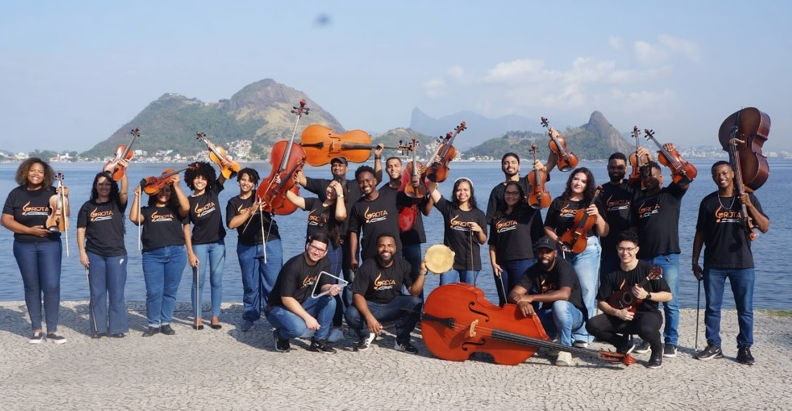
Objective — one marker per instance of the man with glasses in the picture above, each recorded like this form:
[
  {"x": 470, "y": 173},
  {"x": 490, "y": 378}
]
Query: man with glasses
[
  {"x": 292, "y": 309},
  {"x": 616, "y": 323}
]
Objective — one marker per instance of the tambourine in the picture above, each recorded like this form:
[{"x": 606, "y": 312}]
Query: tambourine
[{"x": 439, "y": 258}]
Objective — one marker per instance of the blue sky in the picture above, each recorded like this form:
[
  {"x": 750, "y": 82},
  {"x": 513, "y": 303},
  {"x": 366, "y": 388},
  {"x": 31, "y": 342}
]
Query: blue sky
[{"x": 72, "y": 73}]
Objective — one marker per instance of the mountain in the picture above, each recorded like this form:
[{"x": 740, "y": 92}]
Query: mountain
[
  {"x": 479, "y": 128},
  {"x": 595, "y": 140},
  {"x": 260, "y": 112}
]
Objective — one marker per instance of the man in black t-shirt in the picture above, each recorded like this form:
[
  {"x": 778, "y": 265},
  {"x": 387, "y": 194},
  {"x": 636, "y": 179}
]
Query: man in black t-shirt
[
  {"x": 553, "y": 283},
  {"x": 374, "y": 214},
  {"x": 721, "y": 227},
  {"x": 619, "y": 319},
  {"x": 377, "y": 297},
  {"x": 293, "y": 309}
]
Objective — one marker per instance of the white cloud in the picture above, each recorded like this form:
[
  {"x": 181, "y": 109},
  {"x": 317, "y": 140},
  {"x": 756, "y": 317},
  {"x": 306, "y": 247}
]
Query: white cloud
[
  {"x": 648, "y": 53},
  {"x": 666, "y": 48},
  {"x": 517, "y": 71},
  {"x": 687, "y": 48},
  {"x": 434, "y": 87},
  {"x": 616, "y": 43}
]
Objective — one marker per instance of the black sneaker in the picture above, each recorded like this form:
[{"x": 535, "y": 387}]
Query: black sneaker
[
  {"x": 656, "y": 360},
  {"x": 37, "y": 337},
  {"x": 280, "y": 345},
  {"x": 709, "y": 353},
  {"x": 669, "y": 350},
  {"x": 97, "y": 336},
  {"x": 321, "y": 346},
  {"x": 643, "y": 348},
  {"x": 365, "y": 342},
  {"x": 167, "y": 330},
  {"x": 406, "y": 347},
  {"x": 744, "y": 356},
  {"x": 151, "y": 331},
  {"x": 55, "y": 338},
  {"x": 627, "y": 348}
]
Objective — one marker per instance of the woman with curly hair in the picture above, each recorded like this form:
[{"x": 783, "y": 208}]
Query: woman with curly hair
[
  {"x": 36, "y": 248},
  {"x": 206, "y": 245},
  {"x": 579, "y": 195}
]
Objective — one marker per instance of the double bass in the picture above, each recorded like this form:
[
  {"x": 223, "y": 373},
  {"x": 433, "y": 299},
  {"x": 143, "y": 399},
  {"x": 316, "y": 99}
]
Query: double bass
[
  {"x": 458, "y": 321},
  {"x": 123, "y": 152},
  {"x": 539, "y": 197},
  {"x": 567, "y": 160},
  {"x": 438, "y": 170},
  {"x": 682, "y": 172},
  {"x": 321, "y": 145},
  {"x": 228, "y": 167},
  {"x": 576, "y": 237}
]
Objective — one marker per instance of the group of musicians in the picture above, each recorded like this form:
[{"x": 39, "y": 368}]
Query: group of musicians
[{"x": 353, "y": 233}]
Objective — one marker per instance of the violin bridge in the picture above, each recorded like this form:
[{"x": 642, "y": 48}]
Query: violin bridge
[{"x": 472, "y": 330}]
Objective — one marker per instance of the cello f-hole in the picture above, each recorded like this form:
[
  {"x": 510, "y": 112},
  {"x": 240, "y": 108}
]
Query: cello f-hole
[
  {"x": 465, "y": 345},
  {"x": 483, "y": 314}
]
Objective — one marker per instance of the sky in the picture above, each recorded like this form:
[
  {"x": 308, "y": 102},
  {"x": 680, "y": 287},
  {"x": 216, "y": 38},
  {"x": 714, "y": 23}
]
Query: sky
[{"x": 72, "y": 73}]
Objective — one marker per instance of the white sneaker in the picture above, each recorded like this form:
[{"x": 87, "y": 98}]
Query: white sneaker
[
  {"x": 564, "y": 359},
  {"x": 336, "y": 335}
]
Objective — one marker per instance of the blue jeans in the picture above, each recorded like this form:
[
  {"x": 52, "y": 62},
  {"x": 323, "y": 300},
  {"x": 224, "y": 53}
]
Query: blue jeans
[
  {"x": 561, "y": 321},
  {"x": 258, "y": 276},
  {"x": 412, "y": 253},
  {"x": 336, "y": 259},
  {"x": 107, "y": 277},
  {"x": 210, "y": 255},
  {"x": 670, "y": 265},
  {"x": 586, "y": 266},
  {"x": 742, "y": 285},
  {"x": 289, "y": 325},
  {"x": 462, "y": 276},
  {"x": 40, "y": 266},
  {"x": 404, "y": 309},
  {"x": 162, "y": 271},
  {"x": 513, "y": 271}
]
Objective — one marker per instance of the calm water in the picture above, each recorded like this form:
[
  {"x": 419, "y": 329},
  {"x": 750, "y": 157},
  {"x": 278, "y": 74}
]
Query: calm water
[{"x": 773, "y": 286}]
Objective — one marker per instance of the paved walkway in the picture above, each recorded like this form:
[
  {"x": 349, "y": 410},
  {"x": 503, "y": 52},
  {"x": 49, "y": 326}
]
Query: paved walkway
[{"x": 228, "y": 369}]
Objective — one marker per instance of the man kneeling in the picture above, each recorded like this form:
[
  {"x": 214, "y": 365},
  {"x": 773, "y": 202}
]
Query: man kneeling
[
  {"x": 377, "y": 297},
  {"x": 292, "y": 310}
]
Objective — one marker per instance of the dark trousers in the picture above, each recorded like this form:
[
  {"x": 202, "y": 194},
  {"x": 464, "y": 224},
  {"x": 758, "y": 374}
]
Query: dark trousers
[{"x": 615, "y": 331}]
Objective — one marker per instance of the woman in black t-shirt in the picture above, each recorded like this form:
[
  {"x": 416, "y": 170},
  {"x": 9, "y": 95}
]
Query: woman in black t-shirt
[
  {"x": 165, "y": 228},
  {"x": 101, "y": 222},
  {"x": 37, "y": 249}
]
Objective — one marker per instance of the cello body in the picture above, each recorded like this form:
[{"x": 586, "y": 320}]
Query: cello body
[
  {"x": 752, "y": 129},
  {"x": 321, "y": 145}
]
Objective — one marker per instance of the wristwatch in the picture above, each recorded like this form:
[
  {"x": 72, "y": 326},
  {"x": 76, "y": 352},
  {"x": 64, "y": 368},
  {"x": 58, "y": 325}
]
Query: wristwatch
[{"x": 648, "y": 296}]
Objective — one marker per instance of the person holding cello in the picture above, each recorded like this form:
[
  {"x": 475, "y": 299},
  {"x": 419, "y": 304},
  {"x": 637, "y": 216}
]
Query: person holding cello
[
  {"x": 727, "y": 254},
  {"x": 654, "y": 216},
  {"x": 37, "y": 249}
]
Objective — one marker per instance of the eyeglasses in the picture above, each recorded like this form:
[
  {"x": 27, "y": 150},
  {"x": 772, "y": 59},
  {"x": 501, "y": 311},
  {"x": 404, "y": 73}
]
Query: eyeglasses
[
  {"x": 626, "y": 249},
  {"x": 512, "y": 193},
  {"x": 103, "y": 184},
  {"x": 317, "y": 249}
]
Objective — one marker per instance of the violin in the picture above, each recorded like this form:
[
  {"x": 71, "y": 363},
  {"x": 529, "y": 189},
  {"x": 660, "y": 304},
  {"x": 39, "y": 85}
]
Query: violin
[
  {"x": 287, "y": 158},
  {"x": 539, "y": 197},
  {"x": 636, "y": 162},
  {"x": 567, "y": 160},
  {"x": 412, "y": 187},
  {"x": 458, "y": 321},
  {"x": 624, "y": 299},
  {"x": 228, "y": 167},
  {"x": 58, "y": 219},
  {"x": 321, "y": 145},
  {"x": 576, "y": 236},
  {"x": 681, "y": 170},
  {"x": 123, "y": 152},
  {"x": 438, "y": 170},
  {"x": 152, "y": 185}
]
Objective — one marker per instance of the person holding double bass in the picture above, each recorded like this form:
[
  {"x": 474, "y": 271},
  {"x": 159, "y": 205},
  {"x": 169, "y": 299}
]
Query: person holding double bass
[{"x": 722, "y": 231}]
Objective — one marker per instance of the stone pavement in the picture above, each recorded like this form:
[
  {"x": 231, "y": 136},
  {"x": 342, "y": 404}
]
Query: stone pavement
[{"x": 228, "y": 369}]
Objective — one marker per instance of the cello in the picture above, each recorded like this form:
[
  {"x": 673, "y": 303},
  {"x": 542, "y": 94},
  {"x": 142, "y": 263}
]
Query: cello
[
  {"x": 682, "y": 172},
  {"x": 228, "y": 167},
  {"x": 321, "y": 145},
  {"x": 636, "y": 162},
  {"x": 438, "y": 170},
  {"x": 539, "y": 197},
  {"x": 458, "y": 321},
  {"x": 567, "y": 160},
  {"x": 412, "y": 187},
  {"x": 290, "y": 158},
  {"x": 575, "y": 238},
  {"x": 123, "y": 152}
]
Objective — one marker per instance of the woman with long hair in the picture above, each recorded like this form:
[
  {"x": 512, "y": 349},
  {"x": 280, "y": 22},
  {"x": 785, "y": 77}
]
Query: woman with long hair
[
  {"x": 165, "y": 228},
  {"x": 579, "y": 195},
  {"x": 463, "y": 230},
  {"x": 513, "y": 230},
  {"x": 100, "y": 238},
  {"x": 37, "y": 249}
]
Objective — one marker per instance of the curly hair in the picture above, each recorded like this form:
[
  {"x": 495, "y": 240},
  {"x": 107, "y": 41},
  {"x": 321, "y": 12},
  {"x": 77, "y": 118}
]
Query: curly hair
[
  {"x": 114, "y": 190},
  {"x": 24, "y": 168},
  {"x": 173, "y": 201},
  {"x": 363, "y": 169},
  {"x": 588, "y": 192},
  {"x": 201, "y": 169},
  {"x": 471, "y": 201},
  {"x": 252, "y": 174}
]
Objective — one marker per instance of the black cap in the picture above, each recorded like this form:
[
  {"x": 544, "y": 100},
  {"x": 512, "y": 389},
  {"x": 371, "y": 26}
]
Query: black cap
[
  {"x": 339, "y": 160},
  {"x": 545, "y": 242}
]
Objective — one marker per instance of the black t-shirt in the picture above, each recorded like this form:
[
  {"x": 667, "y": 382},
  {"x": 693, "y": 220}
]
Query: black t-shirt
[
  {"x": 374, "y": 218},
  {"x": 725, "y": 239},
  {"x": 457, "y": 235},
  {"x": 616, "y": 199},
  {"x": 561, "y": 214},
  {"x": 206, "y": 217},
  {"x": 513, "y": 234},
  {"x": 496, "y": 197},
  {"x": 537, "y": 281},
  {"x": 296, "y": 279},
  {"x": 416, "y": 235},
  {"x": 318, "y": 221},
  {"x": 351, "y": 194},
  {"x": 162, "y": 227},
  {"x": 381, "y": 285},
  {"x": 657, "y": 219},
  {"x": 252, "y": 234},
  {"x": 30, "y": 208},
  {"x": 622, "y": 280},
  {"x": 104, "y": 227}
]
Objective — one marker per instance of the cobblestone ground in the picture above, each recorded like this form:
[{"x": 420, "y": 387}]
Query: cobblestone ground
[{"x": 229, "y": 369}]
